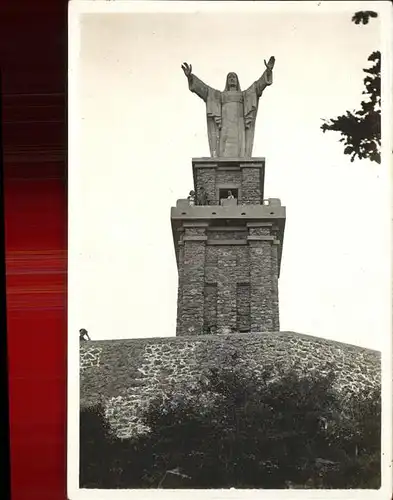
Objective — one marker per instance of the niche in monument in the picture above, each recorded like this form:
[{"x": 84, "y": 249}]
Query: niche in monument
[{"x": 228, "y": 194}]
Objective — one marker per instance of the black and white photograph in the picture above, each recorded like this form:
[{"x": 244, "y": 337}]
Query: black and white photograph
[{"x": 229, "y": 249}]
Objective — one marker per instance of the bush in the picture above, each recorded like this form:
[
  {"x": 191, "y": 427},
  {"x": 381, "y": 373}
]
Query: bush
[{"x": 232, "y": 429}]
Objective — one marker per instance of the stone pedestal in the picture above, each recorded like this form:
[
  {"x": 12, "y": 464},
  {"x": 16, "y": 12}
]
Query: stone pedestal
[
  {"x": 228, "y": 250},
  {"x": 244, "y": 174}
]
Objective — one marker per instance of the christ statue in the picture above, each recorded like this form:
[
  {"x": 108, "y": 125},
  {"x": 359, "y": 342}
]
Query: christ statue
[{"x": 231, "y": 114}]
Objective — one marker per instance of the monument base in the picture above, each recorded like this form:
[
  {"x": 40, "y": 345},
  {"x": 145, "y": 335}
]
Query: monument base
[{"x": 126, "y": 374}]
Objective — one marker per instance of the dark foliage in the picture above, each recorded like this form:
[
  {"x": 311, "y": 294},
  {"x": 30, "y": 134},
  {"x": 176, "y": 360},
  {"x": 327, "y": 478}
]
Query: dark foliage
[
  {"x": 97, "y": 448},
  {"x": 107, "y": 462},
  {"x": 232, "y": 430},
  {"x": 363, "y": 16},
  {"x": 361, "y": 129}
]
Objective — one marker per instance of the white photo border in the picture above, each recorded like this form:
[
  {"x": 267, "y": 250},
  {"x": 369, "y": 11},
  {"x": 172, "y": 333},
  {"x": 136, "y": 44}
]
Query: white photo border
[{"x": 80, "y": 7}]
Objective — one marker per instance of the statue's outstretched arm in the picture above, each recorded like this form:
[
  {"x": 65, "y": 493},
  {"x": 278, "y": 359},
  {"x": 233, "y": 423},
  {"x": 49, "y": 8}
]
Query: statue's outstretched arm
[
  {"x": 267, "y": 77},
  {"x": 194, "y": 83}
]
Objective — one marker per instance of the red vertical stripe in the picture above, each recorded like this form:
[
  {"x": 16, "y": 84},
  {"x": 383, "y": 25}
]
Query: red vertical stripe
[{"x": 33, "y": 41}]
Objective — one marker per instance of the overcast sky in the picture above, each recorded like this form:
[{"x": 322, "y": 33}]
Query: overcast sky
[{"x": 139, "y": 126}]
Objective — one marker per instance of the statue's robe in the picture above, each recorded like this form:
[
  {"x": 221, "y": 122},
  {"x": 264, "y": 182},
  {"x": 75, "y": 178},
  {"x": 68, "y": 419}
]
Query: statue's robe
[{"x": 231, "y": 116}]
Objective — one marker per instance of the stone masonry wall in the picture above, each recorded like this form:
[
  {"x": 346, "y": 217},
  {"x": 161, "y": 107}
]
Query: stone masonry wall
[
  {"x": 251, "y": 186},
  {"x": 243, "y": 318},
  {"x": 210, "y": 308},
  {"x": 206, "y": 178},
  {"x": 125, "y": 375},
  {"x": 246, "y": 179},
  {"x": 192, "y": 279},
  {"x": 231, "y": 178},
  {"x": 224, "y": 258},
  {"x": 263, "y": 277}
]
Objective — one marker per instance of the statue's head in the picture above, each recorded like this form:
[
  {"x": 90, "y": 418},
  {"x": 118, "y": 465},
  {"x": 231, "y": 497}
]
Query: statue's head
[{"x": 232, "y": 82}]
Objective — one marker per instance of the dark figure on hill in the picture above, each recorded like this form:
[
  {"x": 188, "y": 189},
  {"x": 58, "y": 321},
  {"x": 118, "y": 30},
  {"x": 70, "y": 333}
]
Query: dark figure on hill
[{"x": 83, "y": 335}]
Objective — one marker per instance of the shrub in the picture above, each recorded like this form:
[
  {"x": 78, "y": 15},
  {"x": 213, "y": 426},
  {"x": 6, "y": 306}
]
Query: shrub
[{"x": 233, "y": 429}]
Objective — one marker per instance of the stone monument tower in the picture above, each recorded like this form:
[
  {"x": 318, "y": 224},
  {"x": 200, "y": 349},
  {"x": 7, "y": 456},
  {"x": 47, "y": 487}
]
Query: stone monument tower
[{"x": 228, "y": 238}]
